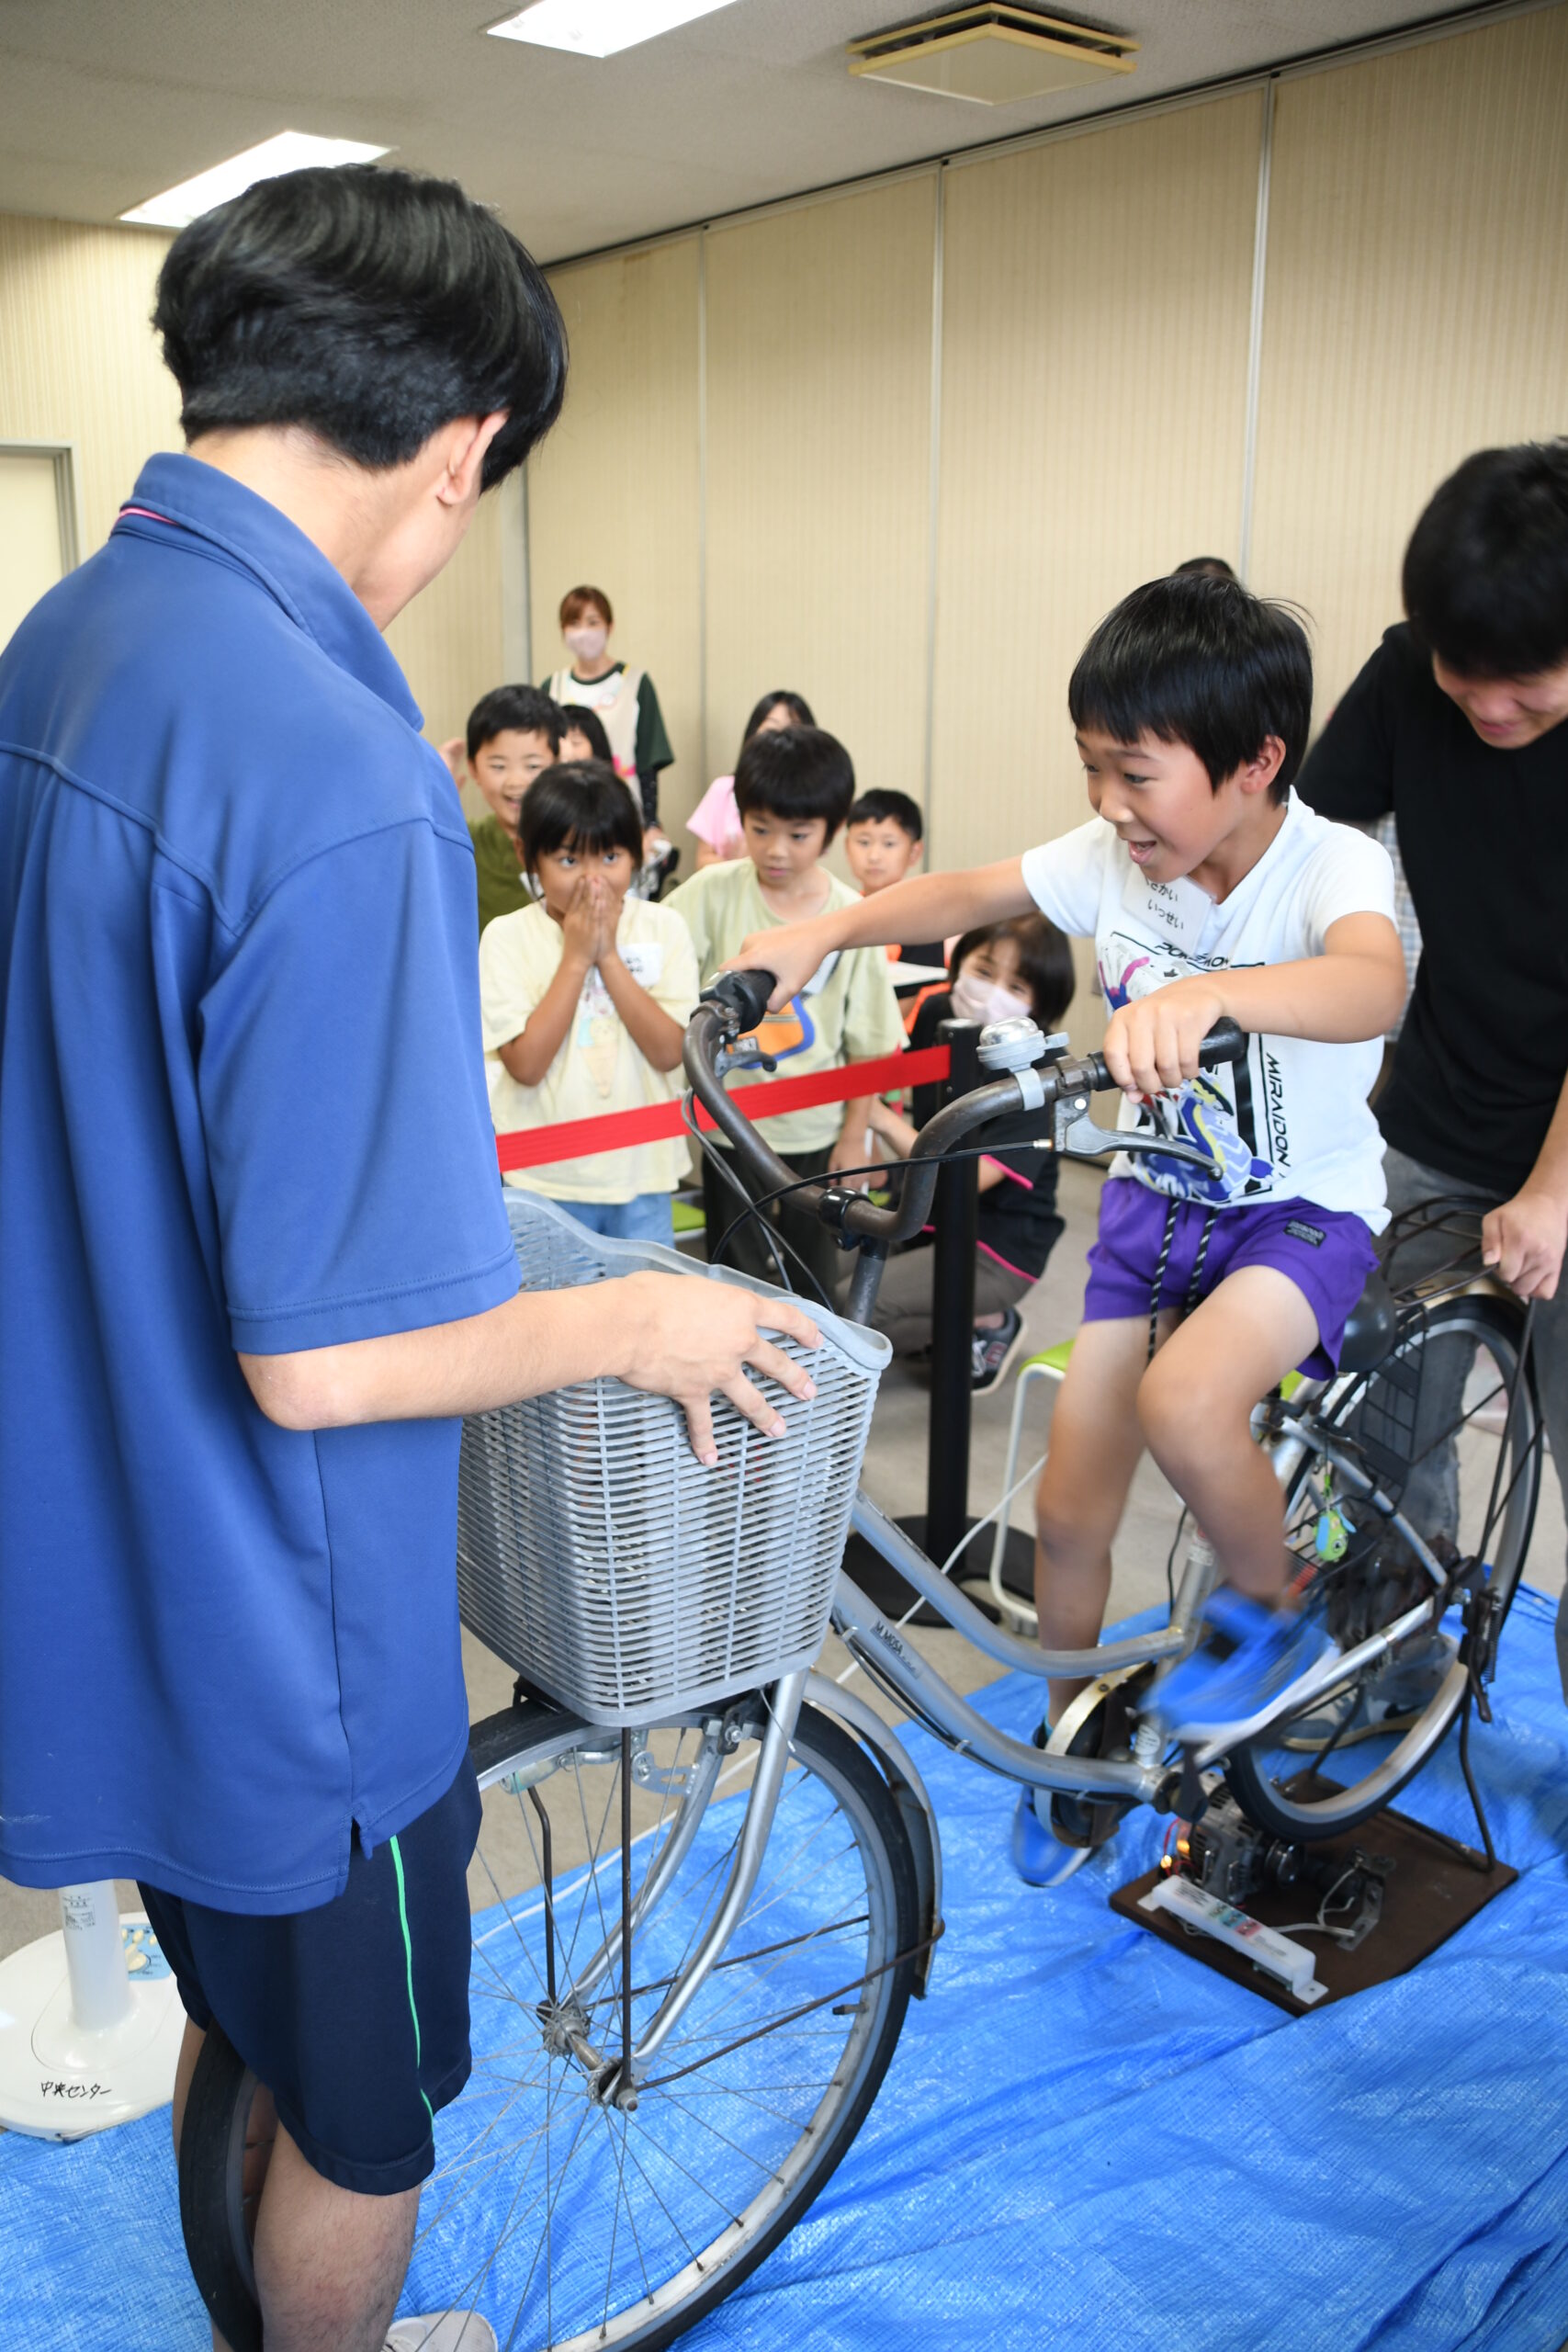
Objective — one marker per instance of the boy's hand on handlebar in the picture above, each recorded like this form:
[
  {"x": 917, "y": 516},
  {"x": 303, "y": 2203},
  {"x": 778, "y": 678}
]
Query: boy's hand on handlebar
[
  {"x": 684, "y": 1339},
  {"x": 792, "y": 954},
  {"x": 1153, "y": 1043},
  {"x": 1523, "y": 1241}
]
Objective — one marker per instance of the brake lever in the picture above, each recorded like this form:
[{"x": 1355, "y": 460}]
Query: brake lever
[
  {"x": 1074, "y": 1135},
  {"x": 734, "y": 1056}
]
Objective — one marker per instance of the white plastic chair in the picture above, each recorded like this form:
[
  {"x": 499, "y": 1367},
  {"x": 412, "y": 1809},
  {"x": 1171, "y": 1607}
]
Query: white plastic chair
[{"x": 1050, "y": 1364}]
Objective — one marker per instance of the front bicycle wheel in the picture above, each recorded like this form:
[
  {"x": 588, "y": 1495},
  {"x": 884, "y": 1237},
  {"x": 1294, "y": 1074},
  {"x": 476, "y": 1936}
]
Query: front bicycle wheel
[
  {"x": 1431, "y": 1425},
  {"x": 569, "y": 2220}
]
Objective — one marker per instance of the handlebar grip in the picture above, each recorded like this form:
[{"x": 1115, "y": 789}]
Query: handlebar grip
[
  {"x": 1224, "y": 1043},
  {"x": 742, "y": 995}
]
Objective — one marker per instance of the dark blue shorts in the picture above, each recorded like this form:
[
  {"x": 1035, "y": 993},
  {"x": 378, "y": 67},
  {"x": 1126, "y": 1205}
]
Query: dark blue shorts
[
  {"x": 356, "y": 2014},
  {"x": 1327, "y": 1253}
]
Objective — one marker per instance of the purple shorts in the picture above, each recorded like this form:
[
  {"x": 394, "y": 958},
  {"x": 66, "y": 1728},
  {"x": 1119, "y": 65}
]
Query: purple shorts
[{"x": 1327, "y": 1253}]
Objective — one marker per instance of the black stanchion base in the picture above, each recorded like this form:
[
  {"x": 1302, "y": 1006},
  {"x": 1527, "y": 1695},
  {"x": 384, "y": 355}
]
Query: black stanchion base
[{"x": 887, "y": 1588}]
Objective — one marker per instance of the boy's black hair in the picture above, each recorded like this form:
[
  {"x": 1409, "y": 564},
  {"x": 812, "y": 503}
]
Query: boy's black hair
[
  {"x": 581, "y": 804},
  {"x": 1203, "y": 567},
  {"x": 795, "y": 773},
  {"x": 1044, "y": 961},
  {"x": 576, "y": 716},
  {"x": 800, "y": 711},
  {"x": 522, "y": 708},
  {"x": 883, "y": 807},
  {"x": 371, "y": 306},
  {"x": 1486, "y": 575},
  {"x": 1198, "y": 662}
]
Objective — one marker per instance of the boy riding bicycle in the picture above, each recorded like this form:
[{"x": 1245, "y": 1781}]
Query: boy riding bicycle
[{"x": 1209, "y": 891}]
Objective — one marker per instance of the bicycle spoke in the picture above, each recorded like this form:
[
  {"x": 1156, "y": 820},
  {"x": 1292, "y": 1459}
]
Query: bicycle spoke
[
  {"x": 712, "y": 2015},
  {"x": 734, "y": 2145},
  {"x": 687, "y": 2249},
  {"x": 568, "y": 2217}
]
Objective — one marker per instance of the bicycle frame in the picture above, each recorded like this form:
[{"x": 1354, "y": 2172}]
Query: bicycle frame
[
  {"x": 900, "y": 1669},
  {"x": 879, "y": 1647}
]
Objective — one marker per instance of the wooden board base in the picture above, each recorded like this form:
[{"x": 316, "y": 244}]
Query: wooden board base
[{"x": 1433, "y": 1888}]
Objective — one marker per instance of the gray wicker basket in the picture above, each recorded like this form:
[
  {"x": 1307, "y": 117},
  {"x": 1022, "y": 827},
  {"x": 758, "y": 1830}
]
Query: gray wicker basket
[{"x": 598, "y": 1557}]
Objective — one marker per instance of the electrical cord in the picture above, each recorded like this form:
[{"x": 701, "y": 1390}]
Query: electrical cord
[
  {"x": 855, "y": 1666},
  {"x": 1321, "y": 1925},
  {"x": 800, "y": 1184},
  {"x": 1170, "y": 1563},
  {"x": 775, "y": 1240}
]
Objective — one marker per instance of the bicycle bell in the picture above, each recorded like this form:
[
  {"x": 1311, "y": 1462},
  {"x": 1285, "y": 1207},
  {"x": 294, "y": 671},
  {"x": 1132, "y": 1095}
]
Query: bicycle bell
[{"x": 1017, "y": 1044}]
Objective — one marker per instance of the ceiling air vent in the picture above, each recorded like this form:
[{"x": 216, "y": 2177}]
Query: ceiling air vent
[{"x": 992, "y": 54}]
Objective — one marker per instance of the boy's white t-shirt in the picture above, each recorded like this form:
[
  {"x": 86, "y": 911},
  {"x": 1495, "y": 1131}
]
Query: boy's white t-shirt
[
  {"x": 1291, "y": 1121},
  {"x": 599, "y": 1066}
]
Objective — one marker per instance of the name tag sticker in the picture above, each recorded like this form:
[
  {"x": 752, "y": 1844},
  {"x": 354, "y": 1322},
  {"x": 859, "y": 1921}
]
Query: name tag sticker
[
  {"x": 644, "y": 959},
  {"x": 1176, "y": 911}
]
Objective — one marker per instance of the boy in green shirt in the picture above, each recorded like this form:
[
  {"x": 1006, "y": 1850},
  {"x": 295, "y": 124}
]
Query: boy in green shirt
[
  {"x": 513, "y": 732},
  {"x": 794, "y": 789}
]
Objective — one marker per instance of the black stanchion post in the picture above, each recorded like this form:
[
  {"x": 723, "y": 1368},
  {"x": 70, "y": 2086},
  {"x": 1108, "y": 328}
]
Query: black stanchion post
[{"x": 955, "y": 1216}]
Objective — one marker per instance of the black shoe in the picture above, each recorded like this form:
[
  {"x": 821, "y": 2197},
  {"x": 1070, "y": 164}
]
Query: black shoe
[
  {"x": 1072, "y": 1818},
  {"x": 992, "y": 1350}
]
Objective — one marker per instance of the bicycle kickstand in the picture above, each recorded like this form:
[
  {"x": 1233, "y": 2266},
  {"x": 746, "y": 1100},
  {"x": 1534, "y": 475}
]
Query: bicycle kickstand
[{"x": 1479, "y": 1647}]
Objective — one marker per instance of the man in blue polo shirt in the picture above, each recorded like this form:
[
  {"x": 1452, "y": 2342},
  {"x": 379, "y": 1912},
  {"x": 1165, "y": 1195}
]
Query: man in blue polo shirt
[{"x": 253, "y": 1262}]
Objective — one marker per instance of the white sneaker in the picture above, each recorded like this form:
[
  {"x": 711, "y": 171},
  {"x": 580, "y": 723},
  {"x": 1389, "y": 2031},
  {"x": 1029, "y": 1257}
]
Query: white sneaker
[{"x": 441, "y": 2332}]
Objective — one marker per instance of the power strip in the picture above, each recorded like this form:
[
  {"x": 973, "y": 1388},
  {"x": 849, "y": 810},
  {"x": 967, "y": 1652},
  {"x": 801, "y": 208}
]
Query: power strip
[{"x": 1279, "y": 1956}]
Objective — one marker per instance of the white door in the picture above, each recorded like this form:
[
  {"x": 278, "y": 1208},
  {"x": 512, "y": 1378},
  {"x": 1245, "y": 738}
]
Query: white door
[{"x": 32, "y": 556}]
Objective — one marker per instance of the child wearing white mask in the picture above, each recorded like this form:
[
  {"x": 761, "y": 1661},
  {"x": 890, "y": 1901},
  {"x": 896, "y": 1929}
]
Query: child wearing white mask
[
  {"x": 1007, "y": 969},
  {"x": 625, "y": 699}
]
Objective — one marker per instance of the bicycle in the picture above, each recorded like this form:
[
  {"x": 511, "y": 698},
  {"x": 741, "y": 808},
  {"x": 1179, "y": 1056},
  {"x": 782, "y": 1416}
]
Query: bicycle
[{"x": 684, "y": 2008}]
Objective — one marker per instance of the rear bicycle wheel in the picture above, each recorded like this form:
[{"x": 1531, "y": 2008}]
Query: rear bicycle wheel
[
  {"x": 568, "y": 2220},
  {"x": 1431, "y": 1425}
]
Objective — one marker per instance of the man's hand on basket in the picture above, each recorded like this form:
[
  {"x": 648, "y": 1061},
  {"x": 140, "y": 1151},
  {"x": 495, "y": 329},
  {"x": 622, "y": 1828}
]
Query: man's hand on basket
[{"x": 686, "y": 1339}]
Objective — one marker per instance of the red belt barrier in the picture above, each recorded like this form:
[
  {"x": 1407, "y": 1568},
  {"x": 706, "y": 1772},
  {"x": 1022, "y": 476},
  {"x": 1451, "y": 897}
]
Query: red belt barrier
[{"x": 764, "y": 1099}]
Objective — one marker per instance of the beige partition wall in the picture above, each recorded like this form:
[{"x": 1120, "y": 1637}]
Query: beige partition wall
[
  {"x": 614, "y": 492},
  {"x": 78, "y": 358},
  {"x": 1416, "y": 306},
  {"x": 818, "y": 423},
  {"x": 765, "y": 520},
  {"x": 1094, "y": 382},
  {"x": 449, "y": 640},
  {"x": 79, "y": 363}
]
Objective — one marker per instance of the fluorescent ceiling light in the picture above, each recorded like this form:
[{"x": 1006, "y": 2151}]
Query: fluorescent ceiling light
[
  {"x": 599, "y": 28},
  {"x": 288, "y": 152}
]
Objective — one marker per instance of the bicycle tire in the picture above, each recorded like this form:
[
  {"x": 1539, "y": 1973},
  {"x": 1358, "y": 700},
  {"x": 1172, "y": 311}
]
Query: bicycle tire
[
  {"x": 1497, "y": 1325},
  {"x": 211, "y": 2169},
  {"x": 825, "y": 1753}
]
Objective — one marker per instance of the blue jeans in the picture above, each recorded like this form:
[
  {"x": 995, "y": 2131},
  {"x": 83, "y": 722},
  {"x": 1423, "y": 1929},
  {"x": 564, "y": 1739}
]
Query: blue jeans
[{"x": 649, "y": 1217}]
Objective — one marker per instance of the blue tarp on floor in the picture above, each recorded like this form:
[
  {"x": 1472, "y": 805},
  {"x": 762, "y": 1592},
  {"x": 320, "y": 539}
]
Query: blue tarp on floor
[{"x": 1087, "y": 2138}]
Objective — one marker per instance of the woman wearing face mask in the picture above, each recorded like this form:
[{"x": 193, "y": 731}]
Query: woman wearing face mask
[
  {"x": 1008, "y": 969},
  {"x": 625, "y": 699}
]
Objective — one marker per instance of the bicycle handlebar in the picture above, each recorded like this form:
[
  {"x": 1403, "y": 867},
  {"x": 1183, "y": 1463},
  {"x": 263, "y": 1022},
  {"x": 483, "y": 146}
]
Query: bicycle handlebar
[{"x": 735, "y": 1004}]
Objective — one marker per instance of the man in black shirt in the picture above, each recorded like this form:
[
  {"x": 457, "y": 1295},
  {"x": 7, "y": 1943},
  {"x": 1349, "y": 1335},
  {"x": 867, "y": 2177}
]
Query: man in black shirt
[{"x": 1456, "y": 724}]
